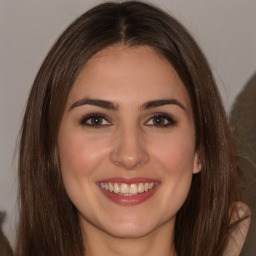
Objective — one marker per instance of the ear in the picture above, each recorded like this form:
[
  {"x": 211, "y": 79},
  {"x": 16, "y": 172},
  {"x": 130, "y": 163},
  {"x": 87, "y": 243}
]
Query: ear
[{"x": 197, "y": 163}]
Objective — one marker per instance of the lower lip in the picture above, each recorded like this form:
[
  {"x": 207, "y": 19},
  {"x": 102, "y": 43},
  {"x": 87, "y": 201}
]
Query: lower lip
[{"x": 129, "y": 200}]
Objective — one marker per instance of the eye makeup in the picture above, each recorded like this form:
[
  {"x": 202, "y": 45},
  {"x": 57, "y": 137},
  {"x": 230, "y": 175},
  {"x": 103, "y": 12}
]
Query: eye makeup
[
  {"x": 99, "y": 120},
  {"x": 161, "y": 120},
  {"x": 94, "y": 120}
]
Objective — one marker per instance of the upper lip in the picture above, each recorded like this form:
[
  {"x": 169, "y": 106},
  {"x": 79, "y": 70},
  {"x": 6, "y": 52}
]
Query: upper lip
[{"x": 129, "y": 180}]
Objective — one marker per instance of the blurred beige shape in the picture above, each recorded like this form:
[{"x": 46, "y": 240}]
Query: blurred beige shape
[
  {"x": 5, "y": 248},
  {"x": 243, "y": 121}
]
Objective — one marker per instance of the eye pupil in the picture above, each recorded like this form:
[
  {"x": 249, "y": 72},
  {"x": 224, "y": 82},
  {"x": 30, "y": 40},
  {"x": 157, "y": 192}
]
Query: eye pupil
[
  {"x": 96, "y": 120},
  {"x": 158, "y": 120}
]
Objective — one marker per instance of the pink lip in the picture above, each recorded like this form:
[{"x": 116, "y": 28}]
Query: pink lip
[{"x": 129, "y": 200}]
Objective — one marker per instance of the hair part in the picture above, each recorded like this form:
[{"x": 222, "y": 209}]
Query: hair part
[{"x": 49, "y": 223}]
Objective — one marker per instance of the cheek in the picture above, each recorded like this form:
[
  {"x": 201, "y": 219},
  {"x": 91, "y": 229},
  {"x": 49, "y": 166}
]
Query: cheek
[
  {"x": 80, "y": 155},
  {"x": 175, "y": 158},
  {"x": 176, "y": 153}
]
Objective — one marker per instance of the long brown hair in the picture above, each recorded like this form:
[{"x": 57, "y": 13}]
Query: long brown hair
[{"x": 48, "y": 222}]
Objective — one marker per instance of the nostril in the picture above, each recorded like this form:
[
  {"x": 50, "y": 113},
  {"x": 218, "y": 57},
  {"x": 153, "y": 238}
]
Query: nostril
[
  {"x": 129, "y": 150},
  {"x": 129, "y": 161}
]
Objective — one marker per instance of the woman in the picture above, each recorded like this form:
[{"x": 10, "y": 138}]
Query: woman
[{"x": 125, "y": 148}]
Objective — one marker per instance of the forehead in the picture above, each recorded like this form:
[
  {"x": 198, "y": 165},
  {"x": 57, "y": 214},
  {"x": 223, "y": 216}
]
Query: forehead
[{"x": 129, "y": 74}]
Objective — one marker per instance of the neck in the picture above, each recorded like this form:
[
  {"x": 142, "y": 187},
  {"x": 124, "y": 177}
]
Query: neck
[{"x": 158, "y": 242}]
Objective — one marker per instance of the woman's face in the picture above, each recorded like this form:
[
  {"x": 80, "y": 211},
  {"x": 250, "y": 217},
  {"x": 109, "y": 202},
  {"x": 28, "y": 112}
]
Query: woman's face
[{"x": 127, "y": 143}]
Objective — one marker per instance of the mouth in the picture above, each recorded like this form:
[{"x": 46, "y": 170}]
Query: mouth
[
  {"x": 129, "y": 191},
  {"x": 125, "y": 189}
]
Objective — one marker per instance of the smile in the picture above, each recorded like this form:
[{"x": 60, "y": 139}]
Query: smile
[
  {"x": 128, "y": 191},
  {"x": 125, "y": 189}
]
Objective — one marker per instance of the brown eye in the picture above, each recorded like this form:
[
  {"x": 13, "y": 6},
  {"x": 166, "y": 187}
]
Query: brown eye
[
  {"x": 161, "y": 121},
  {"x": 95, "y": 121}
]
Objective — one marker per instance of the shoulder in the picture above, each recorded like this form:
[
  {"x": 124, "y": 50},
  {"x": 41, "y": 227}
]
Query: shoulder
[{"x": 242, "y": 215}]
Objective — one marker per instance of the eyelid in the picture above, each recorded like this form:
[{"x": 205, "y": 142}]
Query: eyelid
[
  {"x": 84, "y": 120},
  {"x": 87, "y": 117},
  {"x": 168, "y": 117}
]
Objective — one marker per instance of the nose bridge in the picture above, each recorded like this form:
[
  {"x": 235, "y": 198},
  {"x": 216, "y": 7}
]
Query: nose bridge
[{"x": 129, "y": 150}]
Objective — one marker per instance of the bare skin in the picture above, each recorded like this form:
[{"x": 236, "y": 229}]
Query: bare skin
[
  {"x": 100, "y": 242},
  {"x": 238, "y": 235},
  {"x": 128, "y": 117}
]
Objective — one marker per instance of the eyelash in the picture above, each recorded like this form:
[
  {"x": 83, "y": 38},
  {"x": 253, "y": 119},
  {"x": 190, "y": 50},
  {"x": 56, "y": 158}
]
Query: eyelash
[
  {"x": 169, "y": 119},
  {"x": 84, "y": 121},
  {"x": 89, "y": 117}
]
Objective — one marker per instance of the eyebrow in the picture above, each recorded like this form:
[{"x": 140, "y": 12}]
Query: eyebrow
[
  {"x": 114, "y": 106},
  {"x": 162, "y": 102},
  {"x": 95, "y": 102}
]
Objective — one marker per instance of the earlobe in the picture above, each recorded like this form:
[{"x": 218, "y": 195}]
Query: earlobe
[{"x": 197, "y": 163}]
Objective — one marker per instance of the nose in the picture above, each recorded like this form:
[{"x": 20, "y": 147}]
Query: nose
[{"x": 129, "y": 149}]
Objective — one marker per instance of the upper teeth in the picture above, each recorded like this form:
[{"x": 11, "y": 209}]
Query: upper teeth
[{"x": 127, "y": 189}]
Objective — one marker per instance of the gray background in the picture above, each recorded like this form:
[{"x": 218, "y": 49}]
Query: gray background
[{"x": 225, "y": 29}]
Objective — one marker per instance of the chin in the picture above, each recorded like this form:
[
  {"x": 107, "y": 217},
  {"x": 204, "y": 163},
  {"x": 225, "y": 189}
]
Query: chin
[
  {"x": 133, "y": 227},
  {"x": 128, "y": 231}
]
